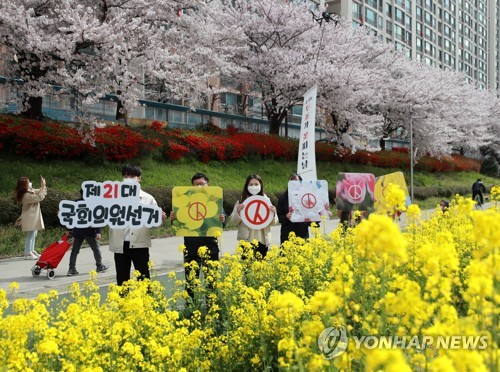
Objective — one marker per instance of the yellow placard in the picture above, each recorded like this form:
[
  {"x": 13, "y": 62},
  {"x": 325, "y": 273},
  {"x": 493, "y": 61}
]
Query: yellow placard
[
  {"x": 197, "y": 210},
  {"x": 396, "y": 178}
]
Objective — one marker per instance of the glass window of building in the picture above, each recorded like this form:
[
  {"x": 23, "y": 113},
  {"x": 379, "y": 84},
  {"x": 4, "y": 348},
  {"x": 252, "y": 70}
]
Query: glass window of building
[
  {"x": 388, "y": 27},
  {"x": 400, "y": 16},
  {"x": 380, "y": 23},
  {"x": 419, "y": 44},
  {"x": 428, "y": 18},
  {"x": 428, "y": 33},
  {"x": 388, "y": 10},
  {"x": 356, "y": 10},
  {"x": 408, "y": 6},
  {"x": 372, "y": 3},
  {"x": 399, "y": 33},
  {"x": 408, "y": 22},
  {"x": 371, "y": 17}
]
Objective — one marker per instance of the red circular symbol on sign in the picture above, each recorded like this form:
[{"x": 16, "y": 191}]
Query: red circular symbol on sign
[
  {"x": 260, "y": 211},
  {"x": 355, "y": 192},
  {"x": 197, "y": 211},
  {"x": 308, "y": 200}
]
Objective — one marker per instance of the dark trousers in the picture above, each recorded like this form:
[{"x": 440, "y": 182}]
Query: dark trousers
[
  {"x": 474, "y": 193},
  {"x": 77, "y": 244},
  {"x": 257, "y": 248},
  {"x": 189, "y": 257},
  {"x": 123, "y": 262}
]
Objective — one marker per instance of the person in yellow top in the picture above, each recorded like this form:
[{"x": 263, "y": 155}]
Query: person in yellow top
[{"x": 31, "y": 219}]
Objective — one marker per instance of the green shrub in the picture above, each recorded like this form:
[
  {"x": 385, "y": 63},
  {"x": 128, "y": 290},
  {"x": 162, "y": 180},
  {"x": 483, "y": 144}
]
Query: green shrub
[
  {"x": 490, "y": 166},
  {"x": 9, "y": 211}
]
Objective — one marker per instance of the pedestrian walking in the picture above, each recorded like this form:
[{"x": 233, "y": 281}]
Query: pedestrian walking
[{"x": 91, "y": 235}]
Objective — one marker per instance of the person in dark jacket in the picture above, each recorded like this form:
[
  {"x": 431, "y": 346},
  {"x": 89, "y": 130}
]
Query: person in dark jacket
[
  {"x": 478, "y": 189},
  {"x": 91, "y": 235},
  {"x": 301, "y": 229},
  {"x": 193, "y": 243}
]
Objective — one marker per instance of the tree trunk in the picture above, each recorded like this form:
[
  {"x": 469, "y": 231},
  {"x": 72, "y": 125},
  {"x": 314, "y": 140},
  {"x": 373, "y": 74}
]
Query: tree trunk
[
  {"x": 382, "y": 143},
  {"x": 33, "y": 108},
  {"x": 274, "y": 125}
]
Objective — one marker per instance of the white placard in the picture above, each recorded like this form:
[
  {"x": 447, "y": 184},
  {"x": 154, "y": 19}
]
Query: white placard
[
  {"x": 111, "y": 203},
  {"x": 257, "y": 213},
  {"x": 308, "y": 200}
]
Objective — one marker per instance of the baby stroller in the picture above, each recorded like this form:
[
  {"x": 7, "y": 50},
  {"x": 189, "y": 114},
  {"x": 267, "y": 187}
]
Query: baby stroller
[{"x": 51, "y": 256}]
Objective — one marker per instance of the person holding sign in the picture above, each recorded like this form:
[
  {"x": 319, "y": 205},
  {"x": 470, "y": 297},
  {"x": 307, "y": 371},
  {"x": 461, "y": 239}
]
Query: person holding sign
[
  {"x": 193, "y": 243},
  {"x": 31, "y": 219},
  {"x": 131, "y": 245},
  {"x": 91, "y": 235},
  {"x": 301, "y": 229},
  {"x": 253, "y": 214}
]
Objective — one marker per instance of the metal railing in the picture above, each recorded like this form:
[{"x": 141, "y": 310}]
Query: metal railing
[{"x": 62, "y": 107}]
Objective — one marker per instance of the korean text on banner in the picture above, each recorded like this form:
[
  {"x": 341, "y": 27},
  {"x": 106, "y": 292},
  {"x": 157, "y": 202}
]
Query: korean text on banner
[{"x": 306, "y": 162}]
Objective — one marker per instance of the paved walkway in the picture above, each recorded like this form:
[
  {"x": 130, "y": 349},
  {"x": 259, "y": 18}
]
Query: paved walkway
[{"x": 164, "y": 253}]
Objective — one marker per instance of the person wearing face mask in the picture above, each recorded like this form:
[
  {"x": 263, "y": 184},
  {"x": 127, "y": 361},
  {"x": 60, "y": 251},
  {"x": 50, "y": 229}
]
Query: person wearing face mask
[
  {"x": 31, "y": 219},
  {"x": 253, "y": 186},
  {"x": 193, "y": 243},
  {"x": 131, "y": 245}
]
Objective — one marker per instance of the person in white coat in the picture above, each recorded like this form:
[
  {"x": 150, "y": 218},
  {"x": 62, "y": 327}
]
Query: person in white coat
[
  {"x": 31, "y": 219},
  {"x": 131, "y": 245},
  {"x": 253, "y": 186}
]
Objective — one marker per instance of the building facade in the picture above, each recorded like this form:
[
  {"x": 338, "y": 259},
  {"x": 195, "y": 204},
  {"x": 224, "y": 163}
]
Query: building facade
[{"x": 462, "y": 35}]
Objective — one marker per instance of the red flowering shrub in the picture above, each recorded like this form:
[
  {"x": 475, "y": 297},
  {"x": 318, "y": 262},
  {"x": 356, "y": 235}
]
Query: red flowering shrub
[
  {"x": 174, "y": 151},
  {"x": 156, "y": 125},
  {"x": 115, "y": 143}
]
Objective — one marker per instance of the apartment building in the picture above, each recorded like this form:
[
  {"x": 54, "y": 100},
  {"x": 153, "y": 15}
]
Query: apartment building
[{"x": 461, "y": 35}]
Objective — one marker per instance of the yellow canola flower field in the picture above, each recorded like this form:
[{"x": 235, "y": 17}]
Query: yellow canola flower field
[{"x": 437, "y": 278}]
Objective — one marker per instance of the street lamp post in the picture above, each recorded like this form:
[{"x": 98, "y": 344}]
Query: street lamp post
[
  {"x": 412, "y": 153},
  {"x": 411, "y": 157}
]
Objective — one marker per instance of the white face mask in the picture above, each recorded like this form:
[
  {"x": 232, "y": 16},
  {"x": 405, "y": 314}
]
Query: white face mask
[
  {"x": 131, "y": 179},
  {"x": 254, "y": 190},
  {"x": 30, "y": 185}
]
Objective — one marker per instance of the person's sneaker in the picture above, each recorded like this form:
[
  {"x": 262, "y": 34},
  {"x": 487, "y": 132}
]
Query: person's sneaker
[
  {"x": 72, "y": 272},
  {"x": 30, "y": 256},
  {"x": 102, "y": 268},
  {"x": 36, "y": 254}
]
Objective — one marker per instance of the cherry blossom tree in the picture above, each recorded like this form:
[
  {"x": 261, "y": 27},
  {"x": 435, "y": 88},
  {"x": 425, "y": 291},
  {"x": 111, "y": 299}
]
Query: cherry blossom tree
[
  {"x": 279, "y": 42},
  {"x": 96, "y": 47},
  {"x": 353, "y": 71}
]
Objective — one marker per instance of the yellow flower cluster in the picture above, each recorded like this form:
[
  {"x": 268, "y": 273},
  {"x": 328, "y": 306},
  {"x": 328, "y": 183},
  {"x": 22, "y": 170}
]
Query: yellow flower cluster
[{"x": 437, "y": 278}]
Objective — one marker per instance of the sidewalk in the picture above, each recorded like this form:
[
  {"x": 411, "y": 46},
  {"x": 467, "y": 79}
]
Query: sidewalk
[{"x": 164, "y": 253}]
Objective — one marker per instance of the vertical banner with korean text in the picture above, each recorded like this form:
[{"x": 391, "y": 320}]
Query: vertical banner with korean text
[{"x": 306, "y": 162}]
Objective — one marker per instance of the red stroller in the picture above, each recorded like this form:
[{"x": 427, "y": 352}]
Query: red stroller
[{"x": 50, "y": 258}]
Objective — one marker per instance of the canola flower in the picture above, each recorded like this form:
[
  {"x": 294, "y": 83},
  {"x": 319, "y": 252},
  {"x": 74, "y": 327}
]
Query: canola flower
[{"x": 436, "y": 277}]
